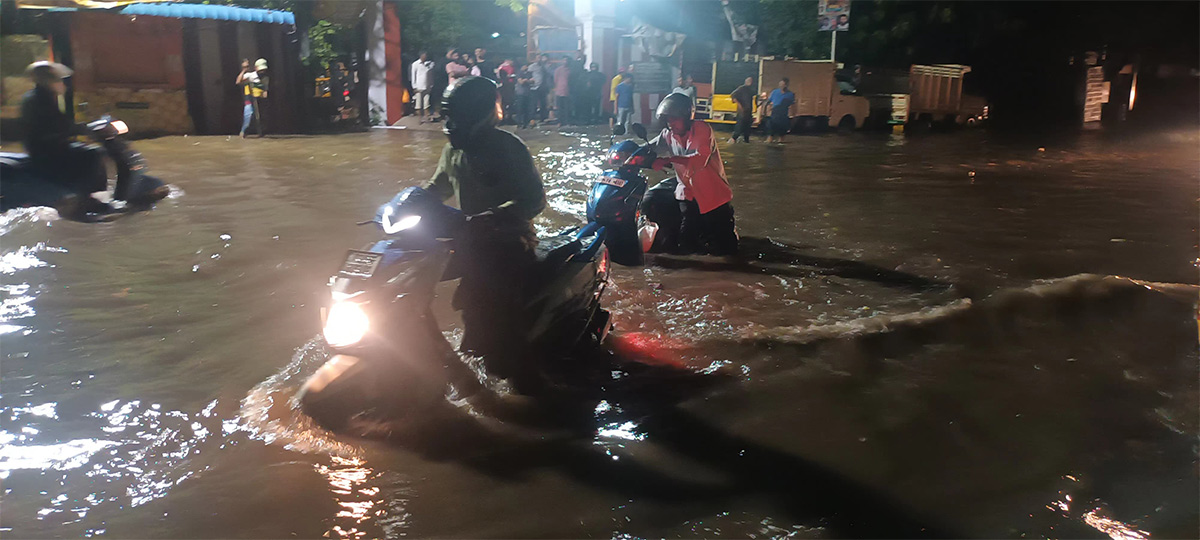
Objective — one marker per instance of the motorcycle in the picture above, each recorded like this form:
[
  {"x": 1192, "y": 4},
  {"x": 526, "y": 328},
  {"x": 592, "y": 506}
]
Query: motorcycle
[
  {"x": 389, "y": 359},
  {"x": 641, "y": 220},
  {"x": 23, "y": 186}
]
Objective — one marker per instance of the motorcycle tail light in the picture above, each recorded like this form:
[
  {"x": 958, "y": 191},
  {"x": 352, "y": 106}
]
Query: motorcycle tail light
[{"x": 602, "y": 266}]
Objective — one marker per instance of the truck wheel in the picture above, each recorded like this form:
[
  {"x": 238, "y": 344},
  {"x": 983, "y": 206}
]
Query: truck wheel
[{"x": 846, "y": 125}]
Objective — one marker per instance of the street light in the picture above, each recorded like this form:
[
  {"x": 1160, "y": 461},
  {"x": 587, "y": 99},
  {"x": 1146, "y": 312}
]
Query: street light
[{"x": 495, "y": 35}]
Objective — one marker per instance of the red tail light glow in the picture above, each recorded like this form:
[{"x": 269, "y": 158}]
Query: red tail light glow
[{"x": 602, "y": 266}]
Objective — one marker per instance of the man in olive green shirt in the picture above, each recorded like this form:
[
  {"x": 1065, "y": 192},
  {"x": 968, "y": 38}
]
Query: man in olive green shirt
[{"x": 499, "y": 188}]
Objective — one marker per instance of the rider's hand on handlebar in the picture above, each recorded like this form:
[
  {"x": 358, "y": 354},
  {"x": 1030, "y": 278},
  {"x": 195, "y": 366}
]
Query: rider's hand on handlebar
[
  {"x": 662, "y": 163},
  {"x": 482, "y": 216}
]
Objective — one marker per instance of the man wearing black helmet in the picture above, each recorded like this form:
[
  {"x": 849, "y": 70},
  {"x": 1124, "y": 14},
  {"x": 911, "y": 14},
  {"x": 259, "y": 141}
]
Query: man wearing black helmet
[
  {"x": 50, "y": 130},
  {"x": 493, "y": 175},
  {"x": 703, "y": 191}
]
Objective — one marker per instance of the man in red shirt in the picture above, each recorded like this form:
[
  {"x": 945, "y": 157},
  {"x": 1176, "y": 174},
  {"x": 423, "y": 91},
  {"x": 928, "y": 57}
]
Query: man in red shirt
[{"x": 703, "y": 191}]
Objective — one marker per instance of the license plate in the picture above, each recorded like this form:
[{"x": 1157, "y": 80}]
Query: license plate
[
  {"x": 360, "y": 263},
  {"x": 611, "y": 180}
]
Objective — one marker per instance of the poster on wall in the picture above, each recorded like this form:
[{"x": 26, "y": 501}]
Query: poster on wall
[{"x": 833, "y": 15}]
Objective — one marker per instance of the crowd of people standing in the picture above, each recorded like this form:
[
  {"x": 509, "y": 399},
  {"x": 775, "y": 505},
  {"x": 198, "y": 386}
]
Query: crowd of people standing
[{"x": 567, "y": 91}]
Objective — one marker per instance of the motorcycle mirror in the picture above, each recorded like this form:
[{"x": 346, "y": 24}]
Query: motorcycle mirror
[
  {"x": 640, "y": 131},
  {"x": 618, "y": 130}
]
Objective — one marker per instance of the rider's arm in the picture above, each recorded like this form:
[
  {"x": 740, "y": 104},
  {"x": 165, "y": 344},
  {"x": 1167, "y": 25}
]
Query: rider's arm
[
  {"x": 529, "y": 195},
  {"x": 440, "y": 184}
]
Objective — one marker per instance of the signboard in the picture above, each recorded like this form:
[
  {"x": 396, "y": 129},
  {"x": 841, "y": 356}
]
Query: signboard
[
  {"x": 833, "y": 15},
  {"x": 1097, "y": 94},
  {"x": 652, "y": 78}
]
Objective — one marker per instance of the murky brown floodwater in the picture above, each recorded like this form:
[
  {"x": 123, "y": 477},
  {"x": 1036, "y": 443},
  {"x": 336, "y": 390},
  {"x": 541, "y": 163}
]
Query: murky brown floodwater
[{"x": 909, "y": 346}]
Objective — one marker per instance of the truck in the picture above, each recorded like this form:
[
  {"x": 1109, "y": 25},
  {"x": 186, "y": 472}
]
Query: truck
[
  {"x": 923, "y": 96},
  {"x": 719, "y": 108},
  {"x": 819, "y": 100}
]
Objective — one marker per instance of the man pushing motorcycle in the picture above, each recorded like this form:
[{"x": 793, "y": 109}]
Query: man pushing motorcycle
[
  {"x": 703, "y": 192},
  {"x": 498, "y": 186}
]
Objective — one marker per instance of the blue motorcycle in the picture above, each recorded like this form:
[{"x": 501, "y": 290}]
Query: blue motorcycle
[{"x": 640, "y": 220}]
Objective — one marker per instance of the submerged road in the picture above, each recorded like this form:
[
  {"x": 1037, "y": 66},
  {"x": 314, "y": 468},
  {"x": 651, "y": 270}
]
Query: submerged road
[{"x": 923, "y": 337}]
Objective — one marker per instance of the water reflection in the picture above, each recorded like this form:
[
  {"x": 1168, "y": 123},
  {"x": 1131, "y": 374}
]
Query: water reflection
[
  {"x": 858, "y": 371},
  {"x": 365, "y": 509}
]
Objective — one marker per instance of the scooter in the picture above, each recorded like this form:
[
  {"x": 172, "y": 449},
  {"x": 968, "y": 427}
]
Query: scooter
[
  {"x": 387, "y": 351},
  {"x": 24, "y": 187},
  {"x": 641, "y": 220}
]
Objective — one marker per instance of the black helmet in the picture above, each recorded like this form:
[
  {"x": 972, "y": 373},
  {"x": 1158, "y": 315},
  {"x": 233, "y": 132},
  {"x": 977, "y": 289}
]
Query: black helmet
[
  {"x": 676, "y": 105},
  {"x": 469, "y": 106}
]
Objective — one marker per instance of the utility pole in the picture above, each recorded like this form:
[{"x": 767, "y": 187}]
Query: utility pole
[{"x": 833, "y": 47}]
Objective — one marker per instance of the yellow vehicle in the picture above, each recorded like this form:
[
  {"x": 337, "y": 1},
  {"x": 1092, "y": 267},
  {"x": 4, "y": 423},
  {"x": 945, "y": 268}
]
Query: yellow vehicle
[{"x": 726, "y": 77}]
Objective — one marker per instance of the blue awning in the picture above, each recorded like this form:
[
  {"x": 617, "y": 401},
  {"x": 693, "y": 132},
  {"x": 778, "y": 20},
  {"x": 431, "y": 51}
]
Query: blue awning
[{"x": 207, "y": 11}]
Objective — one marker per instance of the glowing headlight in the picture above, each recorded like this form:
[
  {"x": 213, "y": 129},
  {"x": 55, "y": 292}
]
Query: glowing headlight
[
  {"x": 406, "y": 222},
  {"x": 346, "y": 325}
]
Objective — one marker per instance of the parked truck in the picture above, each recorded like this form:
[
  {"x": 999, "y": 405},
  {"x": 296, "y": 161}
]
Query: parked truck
[
  {"x": 924, "y": 96},
  {"x": 819, "y": 100}
]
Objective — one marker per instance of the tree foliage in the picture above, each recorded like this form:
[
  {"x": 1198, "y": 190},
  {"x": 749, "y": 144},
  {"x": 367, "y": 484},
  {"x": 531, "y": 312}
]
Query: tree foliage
[
  {"x": 434, "y": 25},
  {"x": 517, "y": 6}
]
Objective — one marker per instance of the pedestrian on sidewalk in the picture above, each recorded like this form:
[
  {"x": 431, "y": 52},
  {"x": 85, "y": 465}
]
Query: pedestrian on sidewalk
[
  {"x": 487, "y": 68},
  {"x": 421, "y": 80},
  {"x": 539, "y": 86},
  {"x": 625, "y": 100},
  {"x": 456, "y": 67},
  {"x": 578, "y": 85},
  {"x": 593, "y": 91},
  {"x": 439, "y": 80},
  {"x": 562, "y": 93},
  {"x": 524, "y": 96},
  {"x": 506, "y": 77}
]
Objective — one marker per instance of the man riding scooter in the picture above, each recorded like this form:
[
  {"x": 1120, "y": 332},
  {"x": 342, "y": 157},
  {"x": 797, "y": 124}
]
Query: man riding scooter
[
  {"x": 703, "y": 192},
  {"x": 49, "y": 133},
  {"x": 498, "y": 186}
]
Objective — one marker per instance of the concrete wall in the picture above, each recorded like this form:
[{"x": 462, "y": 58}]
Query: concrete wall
[{"x": 385, "y": 68}]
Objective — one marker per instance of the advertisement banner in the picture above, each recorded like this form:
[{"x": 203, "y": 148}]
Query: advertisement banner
[{"x": 833, "y": 15}]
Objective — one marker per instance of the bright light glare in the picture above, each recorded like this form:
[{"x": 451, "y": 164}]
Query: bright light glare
[
  {"x": 405, "y": 223},
  {"x": 120, "y": 127},
  {"x": 346, "y": 325},
  {"x": 495, "y": 34}
]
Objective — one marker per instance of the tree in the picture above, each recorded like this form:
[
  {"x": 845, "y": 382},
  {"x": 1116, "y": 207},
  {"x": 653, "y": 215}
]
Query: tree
[{"x": 789, "y": 27}]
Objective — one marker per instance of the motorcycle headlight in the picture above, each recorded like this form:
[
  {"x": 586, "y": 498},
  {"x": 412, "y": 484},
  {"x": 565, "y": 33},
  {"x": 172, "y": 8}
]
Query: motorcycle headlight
[{"x": 346, "y": 325}]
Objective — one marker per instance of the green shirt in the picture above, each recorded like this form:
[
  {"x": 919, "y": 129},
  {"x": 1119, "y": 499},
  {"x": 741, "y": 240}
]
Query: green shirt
[{"x": 497, "y": 174}]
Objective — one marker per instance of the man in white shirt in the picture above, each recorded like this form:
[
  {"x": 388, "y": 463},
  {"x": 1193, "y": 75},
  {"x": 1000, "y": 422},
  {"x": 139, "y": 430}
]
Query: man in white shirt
[{"x": 420, "y": 76}]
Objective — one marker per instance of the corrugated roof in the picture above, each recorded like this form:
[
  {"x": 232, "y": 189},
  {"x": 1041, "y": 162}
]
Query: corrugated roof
[{"x": 212, "y": 12}]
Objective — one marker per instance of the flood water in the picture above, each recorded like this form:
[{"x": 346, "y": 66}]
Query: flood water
[{"x": 923, "y": 337}]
